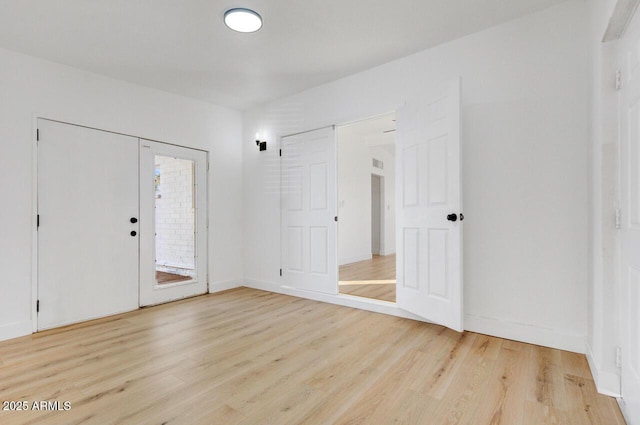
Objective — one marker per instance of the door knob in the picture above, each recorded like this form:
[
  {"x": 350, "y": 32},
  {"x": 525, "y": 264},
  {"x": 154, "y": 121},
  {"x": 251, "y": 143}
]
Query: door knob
[
  {"x": 452, "y": 217},
  {"x": 133, "y": 220},
  {"x": 133, "y": 233}
]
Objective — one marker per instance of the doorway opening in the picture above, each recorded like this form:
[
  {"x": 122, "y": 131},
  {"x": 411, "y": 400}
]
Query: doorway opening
[{"x": 366, "y": 207}]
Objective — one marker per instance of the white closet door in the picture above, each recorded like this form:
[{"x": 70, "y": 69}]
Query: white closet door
[
  {"x": 87, "y": 248},
  {"x": 429, "y": 206},
  {"x": 309, "y": 252},
  {"x": 630, "y": 220},
  {"x": 173, "y": 222}
]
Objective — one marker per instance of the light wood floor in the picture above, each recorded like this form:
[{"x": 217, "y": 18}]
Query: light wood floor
[
  {"x": 253, "y": 357},
  {"x": 164, "y": 278},
  {"x": 375, "y": 278}
]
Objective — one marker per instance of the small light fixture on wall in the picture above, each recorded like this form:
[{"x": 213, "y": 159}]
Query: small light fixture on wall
[{"x": 262, "y": 145}]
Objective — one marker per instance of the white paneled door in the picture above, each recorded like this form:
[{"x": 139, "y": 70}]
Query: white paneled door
[
  {"x": 87, "y": 243},
  {"x": 173, "y": 222},
  {"x": 629, "y": 166},
  {"x": 309, "y": 252},
  {"x": 429, "y": 207}
]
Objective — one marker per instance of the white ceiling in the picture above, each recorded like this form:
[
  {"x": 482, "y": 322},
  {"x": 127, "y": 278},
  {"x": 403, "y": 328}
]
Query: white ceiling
[{"x": 183, "y": 47}]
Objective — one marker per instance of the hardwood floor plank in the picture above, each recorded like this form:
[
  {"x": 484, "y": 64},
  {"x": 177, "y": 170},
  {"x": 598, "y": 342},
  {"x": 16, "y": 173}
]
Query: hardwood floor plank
[
  {"x": 251, "y": 357},
  {"x": 575, "y": 364},
  {"x": 546, "y": 380},
  {"x": 505, "y": 391},
  {"x": 463, "y": 397},
  {"x": 385, "y": 392},
  {"x": 444, "y": 361}
]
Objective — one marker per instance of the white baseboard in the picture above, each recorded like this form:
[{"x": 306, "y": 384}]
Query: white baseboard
[
  {"x": 552, "y": 338},
  {"x": 355, "y": 259},
  {"x": 607, "y": 383},
  {"x": 15, "y": 330},
  {"x": 368, "y": 304},
  {"x": 225, "y": 285},
  {"x": 390, "y": 252}
]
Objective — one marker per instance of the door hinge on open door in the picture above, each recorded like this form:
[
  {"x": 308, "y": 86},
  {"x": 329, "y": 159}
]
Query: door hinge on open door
[
  {"x": 280, "y": 272},
  {"x": 38, "y": 306},
  {"x": 618, "y": 218},
  {"x": 37, "y": 135},
  {"x": 38, "y": 221},
  {"x": 618, "y": 80},
  {"x": 280, "y": 152}
]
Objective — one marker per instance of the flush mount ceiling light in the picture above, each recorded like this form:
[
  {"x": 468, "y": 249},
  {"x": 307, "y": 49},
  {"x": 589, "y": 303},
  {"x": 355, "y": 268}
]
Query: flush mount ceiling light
[{"x": 242, "y": 20}]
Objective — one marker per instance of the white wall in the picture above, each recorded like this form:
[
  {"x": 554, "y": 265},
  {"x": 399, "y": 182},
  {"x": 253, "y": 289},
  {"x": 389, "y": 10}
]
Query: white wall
[
  {"x": 524, "y": 118},
  {"x": 31, "y": 87},
  {"x": 354, "y": 196},
  {"x": 603, "y": 337},
  {"x": 388, "y": 240}
]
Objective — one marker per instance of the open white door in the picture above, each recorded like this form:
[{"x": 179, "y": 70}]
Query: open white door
[
  {"x": 87, "y": 242},
  {"x": 429, "y": 207},
  {"x": 629, "y": 110},
  {"x": 309, "y": 254},
  {"x": 173, "y": 222}
]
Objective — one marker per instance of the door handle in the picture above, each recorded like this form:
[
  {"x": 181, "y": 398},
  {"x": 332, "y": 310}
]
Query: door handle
[
  {"x": 133, "y": 220},
  {"x": 452, "y": 217}
]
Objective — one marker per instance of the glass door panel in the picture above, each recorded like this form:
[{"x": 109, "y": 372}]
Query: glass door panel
[
  {"x": 173, "y": 217},
  {"x": 174, "y": 186}
]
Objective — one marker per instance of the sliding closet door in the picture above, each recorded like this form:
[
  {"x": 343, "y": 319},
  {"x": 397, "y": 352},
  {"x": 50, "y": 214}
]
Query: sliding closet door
[
  {"x": 173, "y": 222},
  {"x": 87, "y": 241}
]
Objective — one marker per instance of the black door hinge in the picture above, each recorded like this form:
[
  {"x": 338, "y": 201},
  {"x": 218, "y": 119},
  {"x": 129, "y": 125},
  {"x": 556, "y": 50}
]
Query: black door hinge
[
  {"x": 280, "y": 272},
  {"x": 38, "y": 221},
  {"x": 335, "y": 218},
  {"x": 38, "y": 306},
  {"x": 280, "y": 152},
  {"x": 37, "y": 135}
]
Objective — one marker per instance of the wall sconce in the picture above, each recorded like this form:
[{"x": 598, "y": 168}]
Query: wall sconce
[{"x": 261, "y": 145}]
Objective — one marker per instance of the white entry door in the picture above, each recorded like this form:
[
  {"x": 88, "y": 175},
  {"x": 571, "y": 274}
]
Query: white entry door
[
  {"x": 309, "y": 253},
  {"x": 429, "y": 207},
  {"x": 173, "y": 222},
  {"x": 87, "y": 244},
  {"x": 629, "y": 165}
]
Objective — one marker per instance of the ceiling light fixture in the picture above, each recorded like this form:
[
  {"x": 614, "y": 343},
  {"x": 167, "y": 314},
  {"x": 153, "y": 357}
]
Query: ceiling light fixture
[{"x": 242, "y": 20}]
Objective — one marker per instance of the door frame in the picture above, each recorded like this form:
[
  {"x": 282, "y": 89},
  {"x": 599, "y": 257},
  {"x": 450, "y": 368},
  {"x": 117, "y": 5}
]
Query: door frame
[
  {"x": 34, "y": 203},
  {"x": 367, "y": 301},
  {"x": 622, "y": 37},
  {"x": 368, "y": 304},
  {"x": 145, "y": 210},
  {"x": 379, "y": 306}
]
